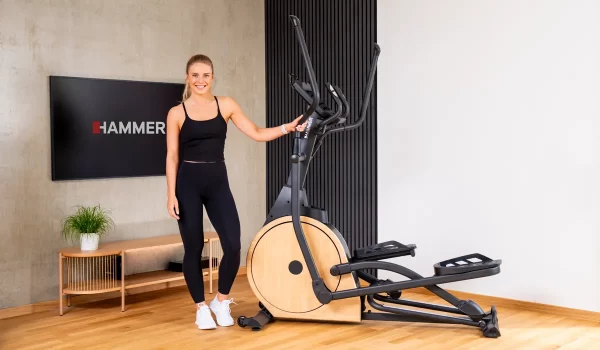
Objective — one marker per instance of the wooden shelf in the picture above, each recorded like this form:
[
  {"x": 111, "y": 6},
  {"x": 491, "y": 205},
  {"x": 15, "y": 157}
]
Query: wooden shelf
[
  {"x": 153, "y": 277},
  {"x": 96, "y": 271}
]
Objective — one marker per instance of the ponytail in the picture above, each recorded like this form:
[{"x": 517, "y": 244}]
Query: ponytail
[{"x": 186, "y": 92}]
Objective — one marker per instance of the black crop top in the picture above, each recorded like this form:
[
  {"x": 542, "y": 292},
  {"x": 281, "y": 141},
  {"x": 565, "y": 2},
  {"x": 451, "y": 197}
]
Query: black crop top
[{"x": 203, "y": 140}]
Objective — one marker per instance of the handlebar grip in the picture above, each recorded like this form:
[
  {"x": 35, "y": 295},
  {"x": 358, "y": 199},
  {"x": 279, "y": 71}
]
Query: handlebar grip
[
  {"x": 309, "y": 68},
  {"x": 377, "y": 49},
  {"x": 295, "y": 20},
  {"x": 333, "y": 91}
]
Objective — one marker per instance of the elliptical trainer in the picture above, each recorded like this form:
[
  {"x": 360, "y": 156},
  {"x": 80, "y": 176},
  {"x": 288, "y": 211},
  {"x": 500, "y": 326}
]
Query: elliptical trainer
[{"x": 299, "y": 265}]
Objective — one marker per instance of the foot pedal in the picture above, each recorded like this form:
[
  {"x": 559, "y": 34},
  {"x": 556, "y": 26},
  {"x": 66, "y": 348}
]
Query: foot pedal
[
  {"x": 385, "y": 250},
  {"x": 466, "y": 263}
]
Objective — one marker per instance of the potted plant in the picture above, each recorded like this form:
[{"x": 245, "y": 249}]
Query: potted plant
[{"x": 86, "y": 226}]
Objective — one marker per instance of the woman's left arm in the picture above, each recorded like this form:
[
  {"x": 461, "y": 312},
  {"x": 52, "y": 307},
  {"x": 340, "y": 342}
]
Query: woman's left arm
[{"x": 242, "y": 122}]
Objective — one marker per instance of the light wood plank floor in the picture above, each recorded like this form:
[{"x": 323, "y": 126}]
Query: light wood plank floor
[{"x": 165, "y": 320}]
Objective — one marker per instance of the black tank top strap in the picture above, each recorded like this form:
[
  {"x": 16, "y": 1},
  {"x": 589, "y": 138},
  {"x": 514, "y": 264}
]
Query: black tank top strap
[
  {"x": 218, "y": 108},
  {"x": 185, "y": 110}
]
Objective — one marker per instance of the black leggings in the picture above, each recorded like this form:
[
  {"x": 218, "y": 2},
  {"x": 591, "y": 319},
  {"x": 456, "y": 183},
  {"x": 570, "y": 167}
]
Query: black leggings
[{"x": 207, "y": 184}]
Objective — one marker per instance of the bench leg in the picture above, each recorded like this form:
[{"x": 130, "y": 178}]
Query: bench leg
[
  {"x": 122, "y": 281},
  {"x": 60, "y": 283}
]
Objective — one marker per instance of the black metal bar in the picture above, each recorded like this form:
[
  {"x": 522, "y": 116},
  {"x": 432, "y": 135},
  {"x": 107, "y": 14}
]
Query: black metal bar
[
  {"x": 366, "y": 276},
  {"x": 394, "y": 317},
  {"x": 418, "y": 304},
  {"x": 421, "y": 282},
  {"x": 342, "y": 269},
  {"x": 309, "y": 68},
  {"x": 338, "y": 102},
  {"x": 308, "y": 258},
  {"x": 451, "y": 299},
  {"x": 431, "y": 285},
  {"x": 418, "y": 316},
  {"x": 443, "y": 294}
]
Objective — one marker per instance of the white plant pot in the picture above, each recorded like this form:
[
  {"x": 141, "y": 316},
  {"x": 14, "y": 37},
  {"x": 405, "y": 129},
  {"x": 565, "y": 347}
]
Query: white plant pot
[{"x": 89, "y": 241}]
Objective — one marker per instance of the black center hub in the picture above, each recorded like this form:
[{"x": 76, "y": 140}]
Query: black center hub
[{"x": 295, "y": 267}]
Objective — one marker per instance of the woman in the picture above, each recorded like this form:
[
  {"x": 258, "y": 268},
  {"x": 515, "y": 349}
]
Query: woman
[{"x": 197, "y": 177}]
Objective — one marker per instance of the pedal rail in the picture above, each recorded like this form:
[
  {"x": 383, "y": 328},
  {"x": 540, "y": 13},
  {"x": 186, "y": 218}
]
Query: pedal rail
[
  {"x": 419, "y": 316},
  {"x": 345, "y": 268},
  {"x": 462, "y": 307},
  {"x": 487, "y": 324}
]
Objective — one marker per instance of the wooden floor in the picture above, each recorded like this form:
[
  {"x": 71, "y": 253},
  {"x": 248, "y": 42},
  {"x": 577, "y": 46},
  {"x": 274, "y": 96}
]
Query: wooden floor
[{"x": 165, "y": 320}]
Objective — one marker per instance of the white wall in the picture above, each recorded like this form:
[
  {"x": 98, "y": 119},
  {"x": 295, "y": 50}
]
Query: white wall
[{"x": 489, "y": 141}]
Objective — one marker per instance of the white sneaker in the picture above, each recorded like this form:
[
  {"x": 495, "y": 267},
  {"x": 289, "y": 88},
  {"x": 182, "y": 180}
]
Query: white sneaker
[
  {"x": 204, "y": 319},
  {"x": 222, "y": 311}
]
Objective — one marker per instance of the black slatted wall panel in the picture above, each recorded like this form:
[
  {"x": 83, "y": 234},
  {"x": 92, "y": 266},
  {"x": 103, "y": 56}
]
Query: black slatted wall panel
[{"x": 343, "y": 175}]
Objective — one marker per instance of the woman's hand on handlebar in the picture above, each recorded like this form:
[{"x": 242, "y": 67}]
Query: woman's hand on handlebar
[{"x": 294, "y": 125}]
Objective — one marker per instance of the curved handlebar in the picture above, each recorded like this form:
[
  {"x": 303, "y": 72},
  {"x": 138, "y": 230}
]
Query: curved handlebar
[
  {"x": 367, "y": 95},
  {"x": 339, "y": 108},
  {"x": 311, "y": 73},
  {"x": 342, "y": 103}
]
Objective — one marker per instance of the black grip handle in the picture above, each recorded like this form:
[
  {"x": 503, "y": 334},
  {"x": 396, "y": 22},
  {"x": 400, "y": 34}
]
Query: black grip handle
[
  {"x": 332, "y": 91},
  {"x": 295, "y": 20},
  {"x": 311, "y": 73}
]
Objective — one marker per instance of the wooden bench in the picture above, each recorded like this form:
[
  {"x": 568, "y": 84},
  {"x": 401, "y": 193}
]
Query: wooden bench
[{"x": 98, "y": 271}]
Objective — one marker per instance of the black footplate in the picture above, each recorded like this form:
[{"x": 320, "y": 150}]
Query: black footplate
[
  {"x": 466, "y": 263},
  {"x": 385, "y": 250}
]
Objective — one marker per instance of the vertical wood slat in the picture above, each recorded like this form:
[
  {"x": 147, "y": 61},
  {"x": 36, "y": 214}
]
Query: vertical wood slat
[
  {"x": 343, "y": 175},
  {"x": 91, "y": 273}
]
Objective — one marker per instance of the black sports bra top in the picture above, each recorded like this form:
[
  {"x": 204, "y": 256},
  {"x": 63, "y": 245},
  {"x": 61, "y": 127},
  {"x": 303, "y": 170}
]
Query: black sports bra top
[{"x": 203, "y": 140}]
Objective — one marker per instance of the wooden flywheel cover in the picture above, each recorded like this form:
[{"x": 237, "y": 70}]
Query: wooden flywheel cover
[{"x": 278, "y": 271}]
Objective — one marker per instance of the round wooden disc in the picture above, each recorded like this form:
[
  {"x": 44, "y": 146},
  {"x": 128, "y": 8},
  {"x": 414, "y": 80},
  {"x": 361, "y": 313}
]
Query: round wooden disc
[{"x": 279, "y": 271}]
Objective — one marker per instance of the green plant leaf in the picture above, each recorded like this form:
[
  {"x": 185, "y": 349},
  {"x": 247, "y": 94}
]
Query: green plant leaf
[{"x": 86, "y": 220}]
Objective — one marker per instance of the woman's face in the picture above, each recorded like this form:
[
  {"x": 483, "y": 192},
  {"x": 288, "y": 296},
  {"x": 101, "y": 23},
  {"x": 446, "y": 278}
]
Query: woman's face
[{"x": 200, "y": 78}]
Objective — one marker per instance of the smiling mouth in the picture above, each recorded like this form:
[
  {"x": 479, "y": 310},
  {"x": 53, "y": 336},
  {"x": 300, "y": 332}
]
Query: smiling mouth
[{"x": 200, "y": 86}]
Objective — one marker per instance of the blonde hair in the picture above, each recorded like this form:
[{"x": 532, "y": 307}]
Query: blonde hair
[{"x": 195, "y": 59}]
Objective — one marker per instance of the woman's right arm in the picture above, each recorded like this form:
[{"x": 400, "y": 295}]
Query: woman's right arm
[{"x": 172, "y": 161}]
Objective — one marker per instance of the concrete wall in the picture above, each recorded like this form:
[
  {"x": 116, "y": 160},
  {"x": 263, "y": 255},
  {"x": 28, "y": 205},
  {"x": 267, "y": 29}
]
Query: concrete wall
[
  {"x": 489, "y": 141},
  {"x": 124, "y": 39}
]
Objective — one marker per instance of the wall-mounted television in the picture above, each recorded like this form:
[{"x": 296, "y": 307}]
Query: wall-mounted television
[{"x": 103, "y": 128}]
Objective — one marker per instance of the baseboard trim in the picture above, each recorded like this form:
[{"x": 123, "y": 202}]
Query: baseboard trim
[
  {"x": 486, "y": 301},
  {"x": 52, "y": 305}
]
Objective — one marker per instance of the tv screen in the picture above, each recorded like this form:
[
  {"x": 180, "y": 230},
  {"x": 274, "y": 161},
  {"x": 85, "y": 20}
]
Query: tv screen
[{"x": 102, "y": 128}]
